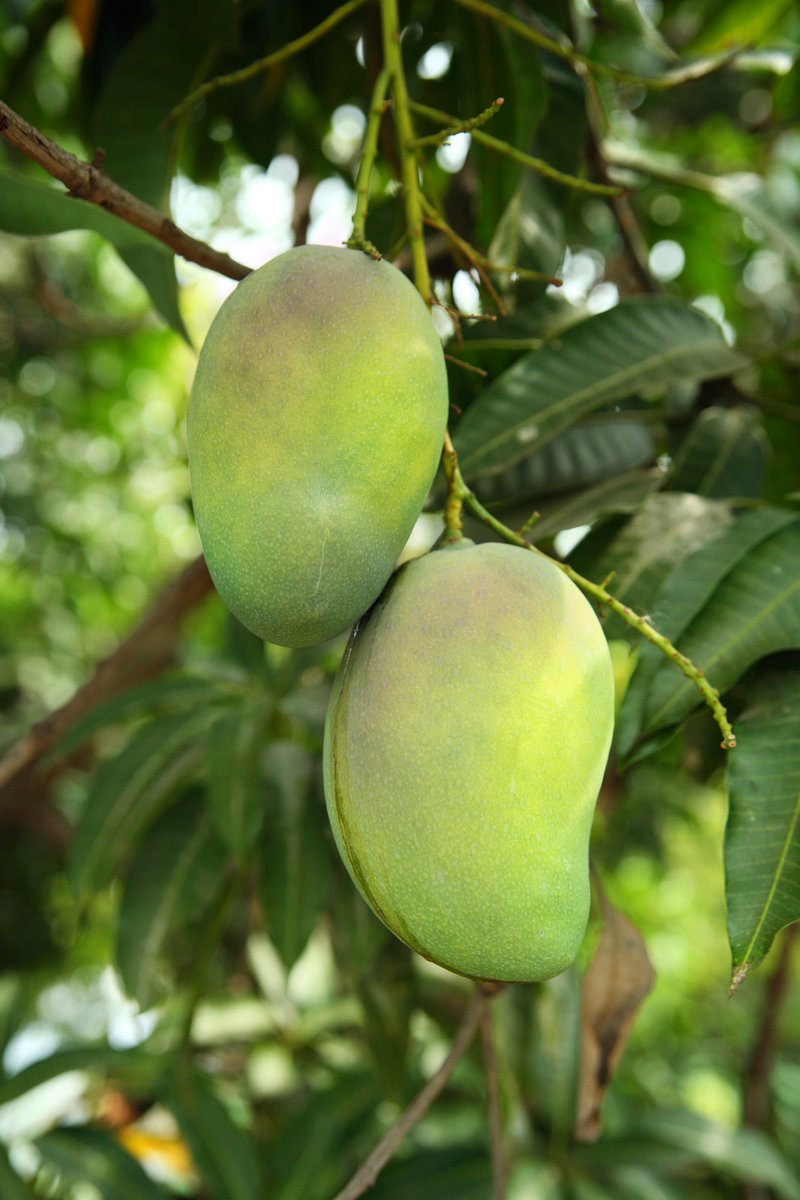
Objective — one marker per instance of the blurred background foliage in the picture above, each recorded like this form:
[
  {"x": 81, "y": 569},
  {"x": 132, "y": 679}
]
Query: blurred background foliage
[{"x": 193, "y": 999}]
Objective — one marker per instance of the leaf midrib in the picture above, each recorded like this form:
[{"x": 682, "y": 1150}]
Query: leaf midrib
[
  {"x": 575, "y": 398},
  {"x": 740, "y": 633}
]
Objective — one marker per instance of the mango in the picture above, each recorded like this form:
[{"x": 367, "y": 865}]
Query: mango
[
  {"x": 315, "y": 426},
  {"x": 465, "y": 743}
]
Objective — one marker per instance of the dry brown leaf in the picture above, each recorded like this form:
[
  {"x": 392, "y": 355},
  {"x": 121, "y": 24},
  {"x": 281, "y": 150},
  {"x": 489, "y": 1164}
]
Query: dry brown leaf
[{"x": 618, "y": 979}]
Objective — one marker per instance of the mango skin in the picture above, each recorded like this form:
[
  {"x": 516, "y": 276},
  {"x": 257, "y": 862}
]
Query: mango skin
[
  {"x": 315, "y": 427},
  {"x": 465, "y": 744}
]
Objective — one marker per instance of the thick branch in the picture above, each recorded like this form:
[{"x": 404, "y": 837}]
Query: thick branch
[
  {"x": 148, "y": 647},
  {"x": 369, "y": 1170},
  {"x": 86, "y": 181}
]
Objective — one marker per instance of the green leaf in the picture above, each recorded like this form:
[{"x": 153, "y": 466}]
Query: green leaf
[
  {"x": 387, "y": 995},
  {"x": 293, "y": 860},
  {"x": 622, "y": 494},
  {"x": 740, "y": 23},
  {"x": 87, "y": 1155},
  {"x": 642, "y": 343},
  {"x": 11, "y": 1186},
  {"x": 762, "y": 838},
  {"x": 223, "y": 1152},
  {"x": 588, "y": 452},
  {"x": 129, "y": 789},
  {"x": 676, "y": 1141},
  {"x": 176, "y": 871},
  {"x": 154, "y": 72},
  {"x": 235, "y": 788},
  {"x": 754, "y": 611},
  {"x": 449, "y": 1173},
  {"x": 36, "y": 209},
  {"x": 306, "y": 1159},
  {"x": 135, "y": 1068},
  {"x": 179, "y": 692},
  {"x": 724, "y": 454},
  {"x": 642, "y": 551},
  {"x": 157, "y": 275},
  {"x": 684, "y": 594}
]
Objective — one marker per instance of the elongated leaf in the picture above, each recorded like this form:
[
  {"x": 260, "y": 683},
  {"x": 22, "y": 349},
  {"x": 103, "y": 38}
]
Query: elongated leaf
[
  {"x": 129, "y": 789},
  {"x": 593, "y": 450},
  {"x": 223, "y": 1152},
  {"x": 762, "y": 839},
  {"x": 11, "y": 1186},
  {"x": 235, "y": 787},
  {"x": 754, "y": 611},
  {"x": 623, "y": 494},
  {"x": 151, "y": 75},
  {"x": 136, "y": 1068},
  {"x": 34, "y": 209},
  {"x": 294, "y": 862},
  {"x": 643, "y": 550},
  {"x": 724, "y": 454},
  {"x": 684, "y": 594},
  {"x": 88, "y": 1155},
  {"x": 640, "y": 344},
  {"x": 177, "y": 870},
  {"x": 176, "y": 693},
  {"x": 680, "y": 1140},
  {"x": 448, "y": 1173},
  {"x": 306, "y": 1156}
]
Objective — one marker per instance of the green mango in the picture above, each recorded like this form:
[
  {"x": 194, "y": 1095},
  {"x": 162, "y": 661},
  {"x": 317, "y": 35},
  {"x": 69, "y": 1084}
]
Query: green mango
[
  {"x": 315, "y": 427},
  {"x": 465, "y": 744}
]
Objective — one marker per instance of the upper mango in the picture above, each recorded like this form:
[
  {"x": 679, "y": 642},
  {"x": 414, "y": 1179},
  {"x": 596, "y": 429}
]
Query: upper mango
[{"x": 315, "y": 426}]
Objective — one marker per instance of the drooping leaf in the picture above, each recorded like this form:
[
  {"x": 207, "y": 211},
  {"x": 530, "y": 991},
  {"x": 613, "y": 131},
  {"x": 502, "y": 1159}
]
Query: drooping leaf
[
  {"x": 308, "y": 1156},
  {"x": 684, "y": 593},
  {"x": 387, "y": 996},
  {"x": 235, "y": 787},
  {"x": 753, "y": 612},
  {"x": 223, "y": 1152},
  {"x": 678, "y": 1141},
  {"x": 179, "y": 692},
  {"x": 293, "y": 859},
  {"x": 12, "y": 1187},
  {"x": 554, "y": 1056},
  {"x": 724, "y": 454},
  {"x": 640, "y": 552},
  {"x": 137, "y": 1068},
  {"x": 154, "y": 72},
  {"x": 449, "y": 1173},
  {"x": 129, "y": 789},
  {"x": 619, "y": 978},
  {"x": 35, "y": 209},
  {"x": 762, "y": 839},
  {"x": 176, "y": 871},
  {"x": 622, "y": 494},
  {"x": 593, "y": 450},
  {"x": 87, "y": 1155},
  {"x": 640, "y": 344}
]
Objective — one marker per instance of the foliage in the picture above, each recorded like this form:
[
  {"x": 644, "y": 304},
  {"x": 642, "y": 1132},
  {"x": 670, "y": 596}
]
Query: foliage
[{"x": 193, "y": 998}]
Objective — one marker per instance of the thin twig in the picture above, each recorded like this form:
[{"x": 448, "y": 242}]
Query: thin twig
[
  {"x": 526, "y": 160},
  {"x": 437, "y": 139},
  {"x": 377, "y": 106},
  {"x": 270, "y": 60},
  {"x": 603, "y": 596},
  {"x": 393, "y": 59},
  {"x": 149, "y": 646},
  {"x": 495, "y": 1111},
  {"x": 86, "y": 181},
  {"x": 372, "y": 1166},
  {"x": 669, "y": 79},
  {"x": 458, "y": 362}
]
